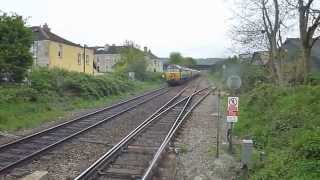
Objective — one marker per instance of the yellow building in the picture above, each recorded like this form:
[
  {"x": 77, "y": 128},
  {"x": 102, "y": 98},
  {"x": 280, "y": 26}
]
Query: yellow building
[{"x": 52, "y": 51}]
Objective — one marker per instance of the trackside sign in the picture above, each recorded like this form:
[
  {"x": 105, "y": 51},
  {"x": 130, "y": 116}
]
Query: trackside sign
[{"x": 233, "y": 109}]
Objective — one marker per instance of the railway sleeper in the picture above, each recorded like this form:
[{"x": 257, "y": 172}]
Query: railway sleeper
[
  {"x": 130, "y": 165},
  {"x": 122, "y": 173},
  {"x": 9, "y": 157},
  {"x": 140, "y": 149}
]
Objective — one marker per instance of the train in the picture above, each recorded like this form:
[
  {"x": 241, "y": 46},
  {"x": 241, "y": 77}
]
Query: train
[{"x": 177, "y": 75}]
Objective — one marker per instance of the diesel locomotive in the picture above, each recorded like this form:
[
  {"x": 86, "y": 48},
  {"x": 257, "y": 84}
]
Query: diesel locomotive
[{"x": 177, "y": 75}]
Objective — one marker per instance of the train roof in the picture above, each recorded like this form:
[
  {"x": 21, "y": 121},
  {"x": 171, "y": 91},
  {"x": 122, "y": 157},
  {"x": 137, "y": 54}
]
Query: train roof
[{"x": 182, "y": 67}]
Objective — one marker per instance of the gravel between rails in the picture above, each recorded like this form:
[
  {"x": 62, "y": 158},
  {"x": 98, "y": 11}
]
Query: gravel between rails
[
  {"x": 69, "y": 159},
  {"x": 6, "y": 137},
  {"x": 196, "y": 145}
]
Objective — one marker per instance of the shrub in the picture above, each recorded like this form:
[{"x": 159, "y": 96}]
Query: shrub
[
  {"x": 284, "y": 122},
  {"x": 77, "y": 84}
]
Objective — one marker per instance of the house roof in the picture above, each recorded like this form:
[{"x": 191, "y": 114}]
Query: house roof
[
  {"x": 117, "y": 50},
  {"x": 294, "y": 44},
  {"x": 41, "y": 33},
  {"x": 108, "y": 50},
  {"x": 151, "y": 55}
]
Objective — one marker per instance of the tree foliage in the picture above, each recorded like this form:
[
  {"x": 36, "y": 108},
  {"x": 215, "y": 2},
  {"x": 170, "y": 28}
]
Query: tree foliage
[
  {"x": 189, "y": 61},
  {"x": 177, "y": 58},
  {"x": 132, "y": 60},
  {"x": 15, "y": 43}
]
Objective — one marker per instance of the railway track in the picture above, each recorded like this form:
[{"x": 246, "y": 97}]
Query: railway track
[
  {"x": 21, "y": 150},
  {"x": 137, "y": 154}
]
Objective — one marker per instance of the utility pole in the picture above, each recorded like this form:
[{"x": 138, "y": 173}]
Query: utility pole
[{"x": 84, "y": 58}]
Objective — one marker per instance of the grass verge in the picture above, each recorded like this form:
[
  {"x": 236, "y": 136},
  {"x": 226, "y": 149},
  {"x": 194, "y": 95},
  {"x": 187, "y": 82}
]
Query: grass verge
[{"x": 56, "y": 93}]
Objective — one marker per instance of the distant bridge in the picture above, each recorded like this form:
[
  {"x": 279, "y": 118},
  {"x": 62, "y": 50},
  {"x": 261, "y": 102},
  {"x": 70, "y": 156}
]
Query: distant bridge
[{"x": 207, "y": 64}]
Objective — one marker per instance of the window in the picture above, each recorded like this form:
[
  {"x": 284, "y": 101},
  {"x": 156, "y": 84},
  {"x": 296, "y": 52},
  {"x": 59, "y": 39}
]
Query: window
[
  {"x": 87, "y": 59},
  {"x": 60, "y": 51},
  {"x": 79, "y": 59}
]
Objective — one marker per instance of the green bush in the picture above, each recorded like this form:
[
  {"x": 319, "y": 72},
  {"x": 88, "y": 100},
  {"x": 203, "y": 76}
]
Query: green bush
[
  {"x": 314, "y": 79},
  {"x": 78, "y": 84},
  {"x": 283, "y": 122},
  {"x": 51, "y": 93}
]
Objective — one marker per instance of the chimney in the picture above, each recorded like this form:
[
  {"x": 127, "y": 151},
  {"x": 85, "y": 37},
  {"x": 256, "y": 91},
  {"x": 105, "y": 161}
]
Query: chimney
[
  {"x": 106, "y": 47},
  {"x": 46, "y": 27},
  {"x": 145, "y": 49}
]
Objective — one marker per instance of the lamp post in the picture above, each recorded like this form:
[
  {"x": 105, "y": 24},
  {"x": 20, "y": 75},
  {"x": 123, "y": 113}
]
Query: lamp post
[{"x": 84, "y": 58}]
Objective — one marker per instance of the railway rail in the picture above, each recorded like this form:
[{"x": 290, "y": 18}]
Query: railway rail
[
  {"x": 137, "y": 154},
  {"x": 21, "y": 150}
]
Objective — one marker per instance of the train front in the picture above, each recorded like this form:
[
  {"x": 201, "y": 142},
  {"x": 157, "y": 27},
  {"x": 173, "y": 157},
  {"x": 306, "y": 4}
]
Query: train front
[{"x": 172, "y": 75}]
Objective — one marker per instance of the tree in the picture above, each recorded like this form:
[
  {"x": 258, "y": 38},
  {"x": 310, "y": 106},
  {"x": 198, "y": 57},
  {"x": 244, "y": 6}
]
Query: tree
[
  {"x": 261, "y": 26},
  {"x": 189, "y": 61},
  {"x": 15, "y": 43},
  {"x": 309, "y": 27},
  {"x": 175, "y": 58},
  {"x": 132, "y": 60}
]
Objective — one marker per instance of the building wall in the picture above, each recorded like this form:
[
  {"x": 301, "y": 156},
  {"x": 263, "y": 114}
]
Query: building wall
[
  {"x": 70, "y": 58},
  {"x": 154, "y": 65},
  {"x": 106, "y": 62},
  {"x": 40, "y": 51}
]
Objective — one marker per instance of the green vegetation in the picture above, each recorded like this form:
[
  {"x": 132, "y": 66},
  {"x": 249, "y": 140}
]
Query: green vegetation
[
  {"x": 132, "y": 60},
  {"x": 52, "y": 93},
  {"x": 284, "y": 123},
  {"x": 15, "y": 43},
  {"x": 251, "y": 75},
  {"x": 177, "y": 58}
]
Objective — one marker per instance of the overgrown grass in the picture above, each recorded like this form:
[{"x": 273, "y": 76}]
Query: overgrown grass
[
  {"x": 285, "y": 123},
  {"x": 55, "y": 93}
]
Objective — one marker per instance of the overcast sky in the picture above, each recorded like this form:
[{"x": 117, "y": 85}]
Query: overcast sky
[{"x": 196, "y": 28}]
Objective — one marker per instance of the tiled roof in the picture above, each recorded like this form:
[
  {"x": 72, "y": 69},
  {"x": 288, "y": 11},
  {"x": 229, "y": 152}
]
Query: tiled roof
[
  {"x": 40, "y": 33},
  {"x": 108, "y": 50}
]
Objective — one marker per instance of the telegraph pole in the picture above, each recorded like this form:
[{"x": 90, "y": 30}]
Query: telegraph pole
[{"x": 84, "y": 58}]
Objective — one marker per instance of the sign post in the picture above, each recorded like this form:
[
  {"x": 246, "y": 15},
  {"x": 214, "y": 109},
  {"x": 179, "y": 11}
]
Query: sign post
[
  {"x": 232, "y": 117},
  {"x": 234, "y": 83}
]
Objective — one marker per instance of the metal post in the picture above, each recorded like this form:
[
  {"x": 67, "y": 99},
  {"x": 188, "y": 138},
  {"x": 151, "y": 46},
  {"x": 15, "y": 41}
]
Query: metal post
[
  {"x": 230, "y": 138},
  {"x": 218, "y": 126},
  {"x": 84, "y": 58},
  {"x": 230, "y": 130}
]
